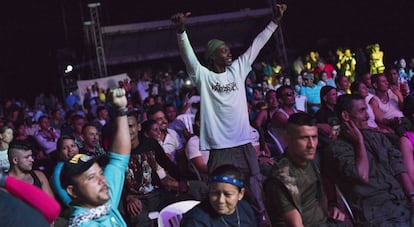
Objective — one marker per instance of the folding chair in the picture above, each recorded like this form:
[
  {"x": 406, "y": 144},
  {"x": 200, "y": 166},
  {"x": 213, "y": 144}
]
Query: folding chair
[{"x": 171, "y": 215}]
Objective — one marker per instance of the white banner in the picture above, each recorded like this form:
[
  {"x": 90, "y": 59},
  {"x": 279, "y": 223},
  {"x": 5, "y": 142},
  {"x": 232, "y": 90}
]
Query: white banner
[{"x": 103, "y": 83}]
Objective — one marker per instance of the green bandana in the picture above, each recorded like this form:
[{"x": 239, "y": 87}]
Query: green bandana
[{"x": 212, "y": 45}]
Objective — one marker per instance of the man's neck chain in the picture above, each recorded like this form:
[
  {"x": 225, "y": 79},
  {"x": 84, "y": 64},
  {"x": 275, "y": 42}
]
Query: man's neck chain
[{"x": 238, "y": 219}]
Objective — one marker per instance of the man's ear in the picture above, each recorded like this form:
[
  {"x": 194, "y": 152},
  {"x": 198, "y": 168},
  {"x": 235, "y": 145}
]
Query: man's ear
[
  {"x": 324, "y": 98},
  {"x": 241, "y": 194},
  {"x": 15, "y": 160},
  {"x": 71, "y": 191},
  {"x": 374, "y": 85},
  {"x": 345, "y": 115}
]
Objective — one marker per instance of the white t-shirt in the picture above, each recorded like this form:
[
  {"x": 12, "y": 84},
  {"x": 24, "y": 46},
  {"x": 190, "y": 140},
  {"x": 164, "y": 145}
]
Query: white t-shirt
[
  {"x": 171, "y": 143},
  {"x": 192, "y": 149},
  {"x": 4, "y": 161},
  {"x": 224, "y": 115}
]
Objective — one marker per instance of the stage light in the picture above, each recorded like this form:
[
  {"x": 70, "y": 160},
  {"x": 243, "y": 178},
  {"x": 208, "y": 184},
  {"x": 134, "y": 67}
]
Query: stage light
[{"x": 68, "y": 69}]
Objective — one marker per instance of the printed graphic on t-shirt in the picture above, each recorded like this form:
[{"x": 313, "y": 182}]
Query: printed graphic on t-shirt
[
  {"x": 139, "y": 173},
  {"x": 225, "y": 88}
]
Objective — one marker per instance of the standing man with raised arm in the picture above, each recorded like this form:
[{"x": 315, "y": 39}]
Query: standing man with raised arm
[
  {"x": 225, "y": 129},
  {"x": 96, "y": 190}
]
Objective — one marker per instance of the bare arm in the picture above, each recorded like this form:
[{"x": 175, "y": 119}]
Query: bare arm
[
  {"x": 45, "y": 183},
  {"x": 399, "y": 96},
  {"x": 261, "y": 118},
  {"x": 198, "y": 162},
  {"x": 406, "y": 184},
  {"x": 293, "y": 219},
  {"x": 279, "y": 120},
  {"x": 379, "y": 117},
  {"x": 121, "y": 143},
  {"x": 407, "y": 156}
]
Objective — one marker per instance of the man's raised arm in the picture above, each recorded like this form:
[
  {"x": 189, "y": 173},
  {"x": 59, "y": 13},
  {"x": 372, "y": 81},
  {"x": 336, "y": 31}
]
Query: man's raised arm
[{"x": 121, "y": 143}]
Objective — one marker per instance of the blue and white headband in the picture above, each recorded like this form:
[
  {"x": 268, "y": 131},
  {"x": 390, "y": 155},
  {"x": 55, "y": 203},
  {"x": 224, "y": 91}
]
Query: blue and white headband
[{"x": 229, "y": 180}]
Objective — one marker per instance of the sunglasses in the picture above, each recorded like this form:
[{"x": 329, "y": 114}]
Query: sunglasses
[{"x": 288, "y": 94}]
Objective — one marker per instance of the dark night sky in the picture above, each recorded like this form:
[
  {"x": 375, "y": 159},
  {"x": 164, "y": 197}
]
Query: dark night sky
[{"x": 32, "y": 31}]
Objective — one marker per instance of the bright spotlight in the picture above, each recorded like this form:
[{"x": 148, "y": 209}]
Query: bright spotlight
[
  {"x": 68, "y": 69},
  {"x": 188, "y": 82}
]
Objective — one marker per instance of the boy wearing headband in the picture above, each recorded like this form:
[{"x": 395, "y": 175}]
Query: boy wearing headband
[{"x": 224, "y": 205}]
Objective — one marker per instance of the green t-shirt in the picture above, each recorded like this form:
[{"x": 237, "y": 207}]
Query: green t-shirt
[{"x": 307, "y": 202}]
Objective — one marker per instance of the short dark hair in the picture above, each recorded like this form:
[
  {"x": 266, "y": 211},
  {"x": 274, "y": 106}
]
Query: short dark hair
[
  {"x": 100, "y": 108},
  {"x": 301, "y": 119},
  {"x": 154, "y": 109},
  {"x": 338, "y": 79},
  {"x": 20, "y": 144},
  {"x": 269, "y": 92},
  {"x": 76, "y": 117},
  {"x": 345, "y": 103},
  {"x": 228, "y": 170},
  {"x": 146, "y": 125},
  {"x": 281, "y": 89},
  {"x": 355, "y": 86},
  {"x": 15, "y": 146},
  {"x": 375, "y": 77},
  {"x": 89, "y": 124},
  {"x": 42, "y": 117},
  {"x": 60, "y": 141}
]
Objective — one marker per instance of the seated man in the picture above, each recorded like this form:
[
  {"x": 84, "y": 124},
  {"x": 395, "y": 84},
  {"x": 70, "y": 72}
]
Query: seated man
[
  {"x": 144, "y": 189},
  {"x": 91, "y": 144},
  {"x": 174, "y": 123},
  {"x": 326, "y": 119},
  {"x": 286, "y": 98},
  {"x": 96, "y": 192},
  {"x": 293, "y": 192},
  {"x": 169, "y": 139},
  {"x": 387, "y": 104},
  {"x": 368, "y": 169},
  {"x": 47, "y": 136},
  {"x": 197, "y": 158},
  {"x": 21, "y": 167},
  {"x": 311, "y": 91}
]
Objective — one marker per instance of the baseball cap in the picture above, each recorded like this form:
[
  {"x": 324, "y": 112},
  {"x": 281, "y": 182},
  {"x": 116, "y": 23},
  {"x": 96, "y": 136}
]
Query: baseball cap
[{"x": 77, "y": 165}]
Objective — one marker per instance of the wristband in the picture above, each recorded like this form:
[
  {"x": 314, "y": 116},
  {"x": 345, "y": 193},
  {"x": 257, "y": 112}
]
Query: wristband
[{"x": 122, "y": 112}]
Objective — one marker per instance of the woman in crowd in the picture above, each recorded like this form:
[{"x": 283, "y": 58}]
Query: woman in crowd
[
  {"x": 224, "y": 205},
  {"x": 66, "y": 149}
]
